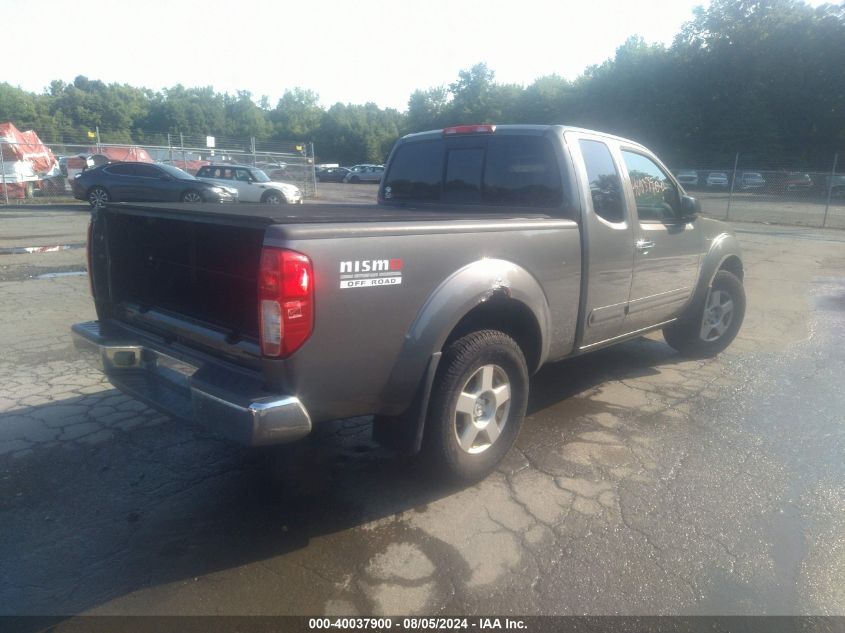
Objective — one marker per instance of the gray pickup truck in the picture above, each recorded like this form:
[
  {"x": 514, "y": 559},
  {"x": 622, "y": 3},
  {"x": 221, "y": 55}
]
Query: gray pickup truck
[{"x": 492, "y": 251}]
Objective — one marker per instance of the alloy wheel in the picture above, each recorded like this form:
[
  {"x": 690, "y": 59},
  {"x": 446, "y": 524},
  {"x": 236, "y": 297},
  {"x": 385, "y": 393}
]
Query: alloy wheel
[
  {"x": 718, "y": 313},
  {"x": 98, "y": 197},
  {"x": 482, "y": 409}
]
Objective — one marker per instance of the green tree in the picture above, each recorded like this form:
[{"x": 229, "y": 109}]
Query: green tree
[
  {"x": 472, "y": 100},
  {"x": 297, "y": 115},
  {"x": 427, "y": 109}
]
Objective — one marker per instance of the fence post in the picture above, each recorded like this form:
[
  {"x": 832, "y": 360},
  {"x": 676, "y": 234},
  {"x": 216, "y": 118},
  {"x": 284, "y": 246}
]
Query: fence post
[
  {"x": 99, "y": 151},
  {"x": 313, "y": 171},
  {"x": 254, "y": 157},
  {"x": 184, "y": 156},
  {"x": 170, "y": 148},
  {"x": 3, "y": 171},
  {"x": 830, "y": 188},
  {"x": 733, "y": 182}
]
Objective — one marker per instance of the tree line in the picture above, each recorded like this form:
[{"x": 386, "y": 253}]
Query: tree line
[{"x": 765, "y": 77}]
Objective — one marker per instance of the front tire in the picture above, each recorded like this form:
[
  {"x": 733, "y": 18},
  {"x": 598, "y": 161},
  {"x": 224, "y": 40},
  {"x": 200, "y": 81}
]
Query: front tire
[
  {"x": 273, "y": 197},
  {"x": 478, "y": 404},
  {"x": 714, "y": 323},
  {"x": 98, "y": 197},
  {"x": 191, "y": 197}
]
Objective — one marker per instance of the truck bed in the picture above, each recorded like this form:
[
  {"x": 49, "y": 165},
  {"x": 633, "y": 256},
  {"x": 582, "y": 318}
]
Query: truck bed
[
  {"x": 267, "y": 214},
  {"x": 200, "y": 262}
]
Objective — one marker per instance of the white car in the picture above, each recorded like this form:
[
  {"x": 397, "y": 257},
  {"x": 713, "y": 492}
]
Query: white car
[
  {"x": 687, "y": 177},
  {"x": 717, "y": 179},
  {"x": 253, "y": 185}
]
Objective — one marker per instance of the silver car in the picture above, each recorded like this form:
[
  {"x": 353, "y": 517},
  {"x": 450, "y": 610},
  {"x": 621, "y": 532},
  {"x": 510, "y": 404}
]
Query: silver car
[{"x": 364, "y": 173}]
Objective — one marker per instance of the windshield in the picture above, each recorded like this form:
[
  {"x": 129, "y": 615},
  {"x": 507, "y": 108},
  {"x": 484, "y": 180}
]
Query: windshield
[
  {"x": 260, "y": 176},
  {"x": 176, "y": 172}
]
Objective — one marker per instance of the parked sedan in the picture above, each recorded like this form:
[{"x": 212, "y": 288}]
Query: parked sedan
[
  {"x": 751, "y": 181},
  {"x": 717, "y": 179},
  {"x": 253, "y": 185},
  {"x": 364, "y": 173},
  {"x": 145, "y": 182},
  {"x": 783, "y": 182},
  {"x": 332, "y": 174},
  {"x": 688, "y": 178}
]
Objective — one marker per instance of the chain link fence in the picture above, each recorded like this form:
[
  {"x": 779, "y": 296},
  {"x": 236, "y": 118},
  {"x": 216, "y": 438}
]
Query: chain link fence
[
  {"x": 781, "y": 192},
  {"x": 43, "y": 171},
  {"x": 751, "y": 189}
]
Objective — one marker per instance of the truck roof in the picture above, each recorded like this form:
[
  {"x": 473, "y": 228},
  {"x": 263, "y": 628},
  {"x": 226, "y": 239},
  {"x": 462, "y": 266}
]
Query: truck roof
[{"x": 520, "y": 128}]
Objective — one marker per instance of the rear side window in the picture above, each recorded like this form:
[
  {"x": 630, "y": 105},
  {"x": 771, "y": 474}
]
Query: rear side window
[
  {"x": 416, "y": 172},
  {"x": 147, "y": 171},
  {"x": 122, "y": 170},
  {"x": 521, "y": 170},
  {"x": 503, "y": 170},
  {"x": 605, "y": 184}
]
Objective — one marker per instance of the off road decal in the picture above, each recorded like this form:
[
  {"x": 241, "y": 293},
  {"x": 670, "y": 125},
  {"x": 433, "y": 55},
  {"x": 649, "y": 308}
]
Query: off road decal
[{"x": 363, "y": 273}]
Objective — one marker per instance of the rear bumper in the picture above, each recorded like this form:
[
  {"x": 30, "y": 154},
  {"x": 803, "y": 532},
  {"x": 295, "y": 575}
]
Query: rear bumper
[{"x": 230, "y": 403}]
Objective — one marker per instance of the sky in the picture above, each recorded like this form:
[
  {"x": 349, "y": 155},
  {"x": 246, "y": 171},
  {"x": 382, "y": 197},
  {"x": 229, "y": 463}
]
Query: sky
[{"x": 354, "y": 51}]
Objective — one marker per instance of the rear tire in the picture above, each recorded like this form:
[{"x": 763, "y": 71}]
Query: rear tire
[
  {"x": 98, "y": 197},
  {"x": 713, "y": 323},
  {"x": 478, "y": 404}
]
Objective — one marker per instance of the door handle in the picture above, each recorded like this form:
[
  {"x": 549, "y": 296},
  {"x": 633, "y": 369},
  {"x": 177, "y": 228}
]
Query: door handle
[{"x": 644, "y": 245}]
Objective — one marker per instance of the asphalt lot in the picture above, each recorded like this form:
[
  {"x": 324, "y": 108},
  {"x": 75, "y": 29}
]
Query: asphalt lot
[{"x": 641, "y": 483}]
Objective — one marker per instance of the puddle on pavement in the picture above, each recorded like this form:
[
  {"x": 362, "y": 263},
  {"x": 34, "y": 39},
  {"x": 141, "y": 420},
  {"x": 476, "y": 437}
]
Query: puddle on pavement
[
  {"x": 72, "y": 273},
  {"x": 22, "y": 250}
]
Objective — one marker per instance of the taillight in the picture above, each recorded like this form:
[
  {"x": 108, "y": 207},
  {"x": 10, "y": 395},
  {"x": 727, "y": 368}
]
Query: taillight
[
  {"x": 285, "y": 301},
  {"x": 469, "y": 129},
  {"x": 89, "y": 247}
]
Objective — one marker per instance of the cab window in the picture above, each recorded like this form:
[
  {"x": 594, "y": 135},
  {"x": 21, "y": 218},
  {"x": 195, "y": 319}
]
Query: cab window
[
  {"x": 463, "y": 175},
  {"x": 506, "y": 170},
  {"x": 605, "y": 184},
  {"x": 522, "y": 171},
  {"x": 655, "y": 194},
  {"x": 416, "y": 172}
]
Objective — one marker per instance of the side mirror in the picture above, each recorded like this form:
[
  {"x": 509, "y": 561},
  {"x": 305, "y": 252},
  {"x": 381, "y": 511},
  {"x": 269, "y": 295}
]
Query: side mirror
[{"x": 690, "y": 207}]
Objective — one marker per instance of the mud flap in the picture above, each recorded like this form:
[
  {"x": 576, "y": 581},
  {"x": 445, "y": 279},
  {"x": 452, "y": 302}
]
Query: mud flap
[{"x": 404, "y": 433}]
